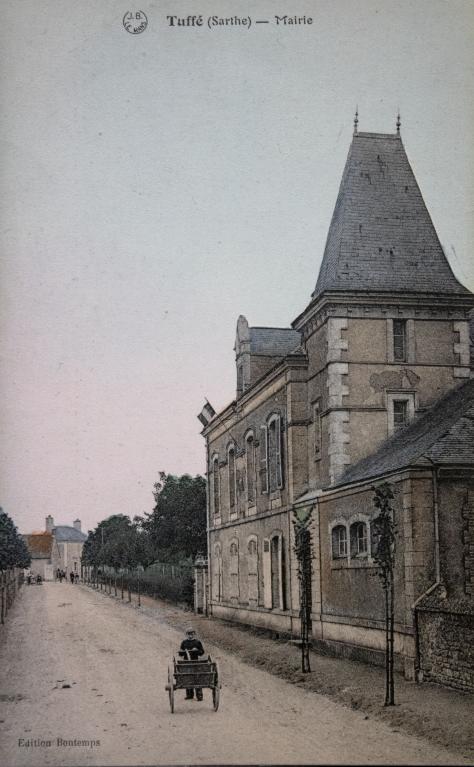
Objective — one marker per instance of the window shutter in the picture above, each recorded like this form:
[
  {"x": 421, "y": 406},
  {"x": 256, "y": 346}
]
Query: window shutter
[
  {"x": 264, "y": 460},
  {"x": 216, "y": 586},
  {"x": 279, "y": 451},
  {"x": 234, "y": 570},
  {"x": 267, "y": 574}
]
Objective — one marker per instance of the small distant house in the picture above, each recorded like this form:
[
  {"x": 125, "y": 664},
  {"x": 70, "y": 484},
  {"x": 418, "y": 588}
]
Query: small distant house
[
  {"x": 40, "y": 546},
  {"x": 60, "y": 546}
]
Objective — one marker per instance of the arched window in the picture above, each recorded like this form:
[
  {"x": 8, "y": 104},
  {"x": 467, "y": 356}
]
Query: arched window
[
  {"x": 359, "y": 539},
  {"x": 234, "y": 569},
  {"x": 250, "y": 468},
  {"x": 252, "y": 572},
  {"x": 273, "y": 572},
  {"x": 252, "y": 547},
  {"x": 216, "y": 573},
  {"x": 274, "y": 458},
  {"x": 215, "y": 485},
  {"x": 339, "y": 541},
  {"x": 232, "y": 477}
]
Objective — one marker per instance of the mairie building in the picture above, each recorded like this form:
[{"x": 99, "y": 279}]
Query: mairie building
[{"x": 371, "y": 384}]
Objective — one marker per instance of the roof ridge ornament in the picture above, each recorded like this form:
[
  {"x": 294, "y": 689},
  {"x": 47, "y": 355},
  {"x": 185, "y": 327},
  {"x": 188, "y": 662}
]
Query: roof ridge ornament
[
  {"x": 356, "y": 120},
  {"x": 399, "y": 122}
]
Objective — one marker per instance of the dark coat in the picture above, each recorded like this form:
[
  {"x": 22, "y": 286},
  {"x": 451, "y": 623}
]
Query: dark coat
[{"x": 194, "y": 648}]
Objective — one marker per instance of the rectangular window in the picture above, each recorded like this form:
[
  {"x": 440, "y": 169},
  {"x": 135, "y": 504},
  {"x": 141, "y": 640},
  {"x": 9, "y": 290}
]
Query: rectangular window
[
  {"x": 400, "y": 414},
  {"x": 399, "y": 340},
  {"x": 317, "y": 429},
  {"x": 240, "y": 379}
]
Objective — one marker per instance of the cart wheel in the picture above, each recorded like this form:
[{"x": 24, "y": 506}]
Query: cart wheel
[
  {"x": 215, "y": 697},
  {"x": 170, "y": 687},
  {"x": 216, "y": 689}
]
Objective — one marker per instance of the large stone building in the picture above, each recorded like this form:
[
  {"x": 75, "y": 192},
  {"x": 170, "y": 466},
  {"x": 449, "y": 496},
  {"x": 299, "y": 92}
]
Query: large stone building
[
  {"x": 372, "y": 383},
  {"x": 59, "y": 546}
]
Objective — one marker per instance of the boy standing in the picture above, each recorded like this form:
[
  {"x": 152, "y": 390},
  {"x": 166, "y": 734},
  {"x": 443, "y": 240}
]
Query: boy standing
[{"x": 191, "y": 648}]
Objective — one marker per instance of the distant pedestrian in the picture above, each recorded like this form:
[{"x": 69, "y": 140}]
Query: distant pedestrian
[
  {"x": 71, "y": 576},
  {"x": 76, "y": 577}
]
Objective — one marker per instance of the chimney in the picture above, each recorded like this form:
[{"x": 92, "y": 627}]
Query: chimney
[
  {"x": 77, "y": 524},
  {"x": 49, "y": 522}
]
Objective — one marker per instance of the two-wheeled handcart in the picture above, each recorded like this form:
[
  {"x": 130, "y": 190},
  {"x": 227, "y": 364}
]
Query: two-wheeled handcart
[{"x": 194, "y": 674}]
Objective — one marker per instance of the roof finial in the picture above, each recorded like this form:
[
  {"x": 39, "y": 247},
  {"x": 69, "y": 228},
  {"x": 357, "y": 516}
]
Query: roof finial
[
  {"x": 356, "y": 119},
  {"x": 398, "y": 122}
]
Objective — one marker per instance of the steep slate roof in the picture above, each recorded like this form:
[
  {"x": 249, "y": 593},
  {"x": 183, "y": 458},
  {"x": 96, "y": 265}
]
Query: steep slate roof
[
  {"x": 381, "y": 235},
  {"x": 64, "y": 533},
  {"x": 444, "y": 435},
  {"x": 39, "y": 545},
  {"x": 273, "y": 341}
]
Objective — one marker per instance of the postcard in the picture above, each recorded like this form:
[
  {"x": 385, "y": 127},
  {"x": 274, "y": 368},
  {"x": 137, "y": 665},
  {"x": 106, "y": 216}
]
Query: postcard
[{"x": 236, "y": 335}]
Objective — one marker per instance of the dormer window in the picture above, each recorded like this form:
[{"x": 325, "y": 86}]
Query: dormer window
[
  {"x": 401, "y": 410},
  {"x": 400, "y": 414}
]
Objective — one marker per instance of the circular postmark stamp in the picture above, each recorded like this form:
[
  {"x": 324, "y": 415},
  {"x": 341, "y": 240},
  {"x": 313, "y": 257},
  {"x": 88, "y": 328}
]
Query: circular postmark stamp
[{"x": 135, "y": 22}]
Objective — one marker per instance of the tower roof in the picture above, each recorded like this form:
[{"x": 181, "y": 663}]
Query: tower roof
[{"x": 381, "y": 235}]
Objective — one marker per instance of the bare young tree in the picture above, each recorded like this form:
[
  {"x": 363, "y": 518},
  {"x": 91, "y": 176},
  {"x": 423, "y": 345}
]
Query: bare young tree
[
  {"x": 384, "y": 531},
  {"x": 304, "y": 553}
]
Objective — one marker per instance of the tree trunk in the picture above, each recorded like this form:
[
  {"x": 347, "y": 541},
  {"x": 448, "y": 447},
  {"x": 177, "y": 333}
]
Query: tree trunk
[
  {"x": 387, "y": 646},
  {"x": 392, "y": 640}
]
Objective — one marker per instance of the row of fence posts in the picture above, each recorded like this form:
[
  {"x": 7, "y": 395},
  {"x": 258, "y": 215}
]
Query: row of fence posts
[
  {"x": 107, "y": 582},
  {"x": 10, "y": 582}
]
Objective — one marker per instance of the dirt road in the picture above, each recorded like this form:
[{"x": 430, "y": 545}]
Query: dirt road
[{"x": 82, "y": 683}]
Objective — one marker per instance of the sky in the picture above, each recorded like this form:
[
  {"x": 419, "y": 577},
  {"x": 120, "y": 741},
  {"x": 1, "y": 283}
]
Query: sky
[{"x": 157, "y": 185}]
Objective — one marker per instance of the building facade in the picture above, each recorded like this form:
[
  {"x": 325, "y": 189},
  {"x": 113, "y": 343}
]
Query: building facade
[
  {"x": 58, "y": 547},
  {"x": 371, "y": 383}
]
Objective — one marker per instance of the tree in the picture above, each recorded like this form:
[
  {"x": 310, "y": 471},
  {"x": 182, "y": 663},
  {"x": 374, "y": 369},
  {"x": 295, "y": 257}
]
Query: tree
[
  {"x": 13, "y": 549},
  {"x": 303, "y": 548},
  {"x": 384, "y": 531},
  {"x": 177, "y": 525},
  {"x": 117, "y": 542}
]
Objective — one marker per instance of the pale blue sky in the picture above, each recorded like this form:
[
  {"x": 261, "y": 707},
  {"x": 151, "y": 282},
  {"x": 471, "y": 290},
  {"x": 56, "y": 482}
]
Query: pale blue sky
[{"x": 156, "y": 186}]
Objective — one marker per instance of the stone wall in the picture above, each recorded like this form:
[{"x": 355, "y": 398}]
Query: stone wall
[{"x": 446, "y": 647}]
